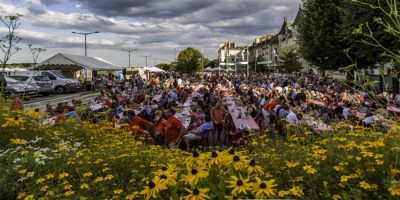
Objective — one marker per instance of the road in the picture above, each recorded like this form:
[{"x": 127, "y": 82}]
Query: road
[{"x": 41, "y": 101}]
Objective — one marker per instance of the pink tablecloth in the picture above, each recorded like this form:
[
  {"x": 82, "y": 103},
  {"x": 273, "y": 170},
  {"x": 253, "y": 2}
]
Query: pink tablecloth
[
  {"x": 241, "y": 123},
  {"x": 157, "y": 97}
]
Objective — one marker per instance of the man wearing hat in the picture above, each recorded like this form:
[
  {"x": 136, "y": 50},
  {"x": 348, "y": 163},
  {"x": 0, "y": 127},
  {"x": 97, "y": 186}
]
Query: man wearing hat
[{"x": 174, "y": 129}]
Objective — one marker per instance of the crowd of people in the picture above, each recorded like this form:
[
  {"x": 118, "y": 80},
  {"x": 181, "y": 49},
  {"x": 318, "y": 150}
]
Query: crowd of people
[{"x": 150, "y": 107}]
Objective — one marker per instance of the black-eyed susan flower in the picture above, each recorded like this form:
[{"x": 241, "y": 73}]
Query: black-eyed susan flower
[
  {"x": 238, "y": 162},
  {"x": 214, "y": 159},
  {"x": 197, "y": 194},
  {"x": 194, "y": 175},
  {"x": 239, "y": 185},
  {"x": 195, "y": 160},
  {"x": 253, "y": 168},
  {"x": 35, "y": 113},
  {"x": 152, "y": 189},
  {"x": 296, "y": 191},
  {"x": 263, "y": 189},
  {"x": 17, "y": 121},
  {"x": 168, "y": 179}
]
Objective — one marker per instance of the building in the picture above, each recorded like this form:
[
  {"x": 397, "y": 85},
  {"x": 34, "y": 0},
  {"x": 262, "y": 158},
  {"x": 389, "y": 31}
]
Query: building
[{"x": 232, "y": 57}]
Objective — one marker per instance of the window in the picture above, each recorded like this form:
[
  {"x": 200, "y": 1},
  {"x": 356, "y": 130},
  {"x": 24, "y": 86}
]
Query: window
[
  {"x": 51, "y": 76},
  {"x": 41, "y": 78}
]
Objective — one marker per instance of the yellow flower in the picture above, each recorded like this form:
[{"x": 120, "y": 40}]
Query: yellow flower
[
  {"x": 84, "y": 186},
  {"x": 252, "y": 167},
  {"x": 15, "y": 122},
  {"x": 29, "y": 197},
  {"x": 87, "y": 174},
  {"x": 63, "y": 175},
  {"x": 22, "y": 171},
  {"x": 68, "y": 187},
  {"x": 309, "y": 169},
  {"x": 238, "y": 162},
  {"x": 365, "y": 185},
  {"x": 40, "y": 180},
  {"x": 263, "y": 189},
  {"x": 21, "y": 195},
  {"x": 35, "y": 113},
  {"x": 196, "y": 159},
  {"x": 214, "y": 159},
  {"x": 296, "y": 191},
  {"x": 239, "y": 185},
  {"x": 292, "y": 164},
  {"x": 283, "y": 193},
  {"x": 394, "y": 191},
  {"x": 18, "y": 141},
  {"x": 118, "y": 191},
  {"x": 194, "y": 175},
  {"x": 69, "y": 193},
  {"x": 168, "y": 179},
  {"x": 336, "y": 197},
  {"x": 44, "y": 188},
  {"x": 49, "y": 176},
  {"x": 197, "y": 194},
  {"x": 153, "y": 188},
  {"x": 131, "y": 196},
  {"x": 98, "y": 179},
  {"x": 109, "y": 177}
]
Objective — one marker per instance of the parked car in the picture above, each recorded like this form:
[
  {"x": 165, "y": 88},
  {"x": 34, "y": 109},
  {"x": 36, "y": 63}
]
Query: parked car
[
  {"x": 61, "y": 83},
  {"x": 41, "y": 82},
  {"x": 19, "y": 88}
]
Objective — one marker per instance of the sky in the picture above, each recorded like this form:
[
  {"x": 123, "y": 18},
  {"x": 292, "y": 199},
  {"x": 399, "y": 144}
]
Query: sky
[{"x": 158, "y": 29}]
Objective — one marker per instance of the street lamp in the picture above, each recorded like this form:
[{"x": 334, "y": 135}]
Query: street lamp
[
  {"x": 146, "y": 59},
  {"x": 129, "y": 54},
  {"x": 85, "y": 34}
]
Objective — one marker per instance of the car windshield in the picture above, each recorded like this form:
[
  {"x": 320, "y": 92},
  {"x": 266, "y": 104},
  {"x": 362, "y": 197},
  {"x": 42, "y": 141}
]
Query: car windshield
[
  {"x": 41, "y": 78},
  {"x": 58, "y": 74},
  {"x": 11, "y": 80}
]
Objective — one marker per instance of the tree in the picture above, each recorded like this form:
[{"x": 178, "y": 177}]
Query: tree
[
  {"x": 8, "y": 44},
  {"x": 319, "y": 34},
  {"x": 289, "y": 61},
  {"x": 189, "y": 61},
  {"x": 163, "y": 66}
]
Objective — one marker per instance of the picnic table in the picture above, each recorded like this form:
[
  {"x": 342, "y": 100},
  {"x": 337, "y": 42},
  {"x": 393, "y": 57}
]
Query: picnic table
[{"x": 242, "y": 123}]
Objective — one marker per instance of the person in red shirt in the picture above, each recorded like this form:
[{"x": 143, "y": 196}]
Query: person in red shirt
[
  {"x": 137, "y": 124},
  {"x": 174, "y": 130}
]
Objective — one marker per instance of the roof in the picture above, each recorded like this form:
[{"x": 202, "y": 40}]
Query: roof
[
  {"x": 298, "y": 17},
  {"x": 74, "y": 62}
]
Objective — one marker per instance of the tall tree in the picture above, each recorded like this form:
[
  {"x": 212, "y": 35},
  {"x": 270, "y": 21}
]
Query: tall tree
[
  {"x": 189, "y": 61},
  {"x": 319, "y": 35},
  {"x": 289, "y": 61}
]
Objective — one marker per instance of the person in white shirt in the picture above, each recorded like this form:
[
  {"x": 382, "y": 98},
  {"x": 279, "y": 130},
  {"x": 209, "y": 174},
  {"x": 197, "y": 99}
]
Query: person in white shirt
[
  {"x": 369, "y": 119},
  {"x": 292, "y": 117}
]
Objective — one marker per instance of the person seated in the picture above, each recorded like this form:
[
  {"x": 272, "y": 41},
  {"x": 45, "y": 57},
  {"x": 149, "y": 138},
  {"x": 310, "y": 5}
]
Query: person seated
[
  {"x": 71, "y": 113},
  {"x": 159, "y": 129},
  {"x": 137, "y": 124},
  {"x": 198, "y": 133},
  {"x": 60, "y": 116}
]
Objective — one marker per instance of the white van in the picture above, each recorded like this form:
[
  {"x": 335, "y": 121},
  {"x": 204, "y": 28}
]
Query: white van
[{"x": 61, "y": 83}]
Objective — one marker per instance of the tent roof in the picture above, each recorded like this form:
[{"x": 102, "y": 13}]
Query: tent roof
[{"x": 74, "y": 62}]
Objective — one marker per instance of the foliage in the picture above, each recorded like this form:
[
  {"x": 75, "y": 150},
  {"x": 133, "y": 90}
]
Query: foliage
[
  {"x": 35, "y": 52},
  {"x": 163, "y": 66},
  {"x": 319, "y": 37},
  {"x": 189, "y": 61},
  {"x": 97, "y": 161},
  {"x": 387, "y": 21},
  {"x": 290, "y": 61}
]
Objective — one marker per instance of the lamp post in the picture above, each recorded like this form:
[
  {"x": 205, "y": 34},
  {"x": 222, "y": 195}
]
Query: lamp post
[
  {"x": 129, "y": 54},
  {"x": 85, "y": 34},
  {"x": 146, "y": 59}
]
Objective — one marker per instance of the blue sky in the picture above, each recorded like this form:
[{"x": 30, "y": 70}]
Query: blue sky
[{"x": 155, "y": 27}]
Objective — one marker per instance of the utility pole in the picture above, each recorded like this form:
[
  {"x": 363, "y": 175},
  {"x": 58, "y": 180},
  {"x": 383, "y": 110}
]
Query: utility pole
[{"x": 129, "y": 54}]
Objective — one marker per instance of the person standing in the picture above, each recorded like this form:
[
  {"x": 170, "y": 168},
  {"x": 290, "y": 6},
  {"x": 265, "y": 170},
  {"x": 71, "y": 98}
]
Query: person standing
[{"x": 218, "y": 114}]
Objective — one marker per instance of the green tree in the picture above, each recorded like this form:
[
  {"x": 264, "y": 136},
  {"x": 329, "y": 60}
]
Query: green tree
[
  {"x": 163, "y": 66},
  {"x": 189, "y": 61},
  {"x": 319, "y": 34},
  {"x": 289, "y": 61}
]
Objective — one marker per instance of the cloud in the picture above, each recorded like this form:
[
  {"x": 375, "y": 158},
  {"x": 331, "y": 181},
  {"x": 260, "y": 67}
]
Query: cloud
[{"x": 51, "y": 2}]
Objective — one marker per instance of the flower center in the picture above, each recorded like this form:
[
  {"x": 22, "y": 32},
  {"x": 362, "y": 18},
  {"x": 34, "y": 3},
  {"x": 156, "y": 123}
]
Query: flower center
[
  {"x": 239, "y": 182},
  {"x": 194, "y": 171},
  {"x": 163, "y": 177},
  {"x": 231, "y": 152},
  {"x": 16, "y": 118},
  {"x": 152, "y": 185},
  {"x": 252, "y": 163},
  {"x": 37, "y": 110},
  {"x": 263, "y": 186},
  {"x": 196, "y": 191},
  {"x": 236, "y": 159},
  {"x": 164, "y": 168},
  {"x": 195, "y": 154},
  {"x": 214, "y": 154}
]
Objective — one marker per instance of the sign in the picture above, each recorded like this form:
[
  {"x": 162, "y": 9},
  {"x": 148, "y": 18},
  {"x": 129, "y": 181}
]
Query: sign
[{"x": 136, "y": 69}]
